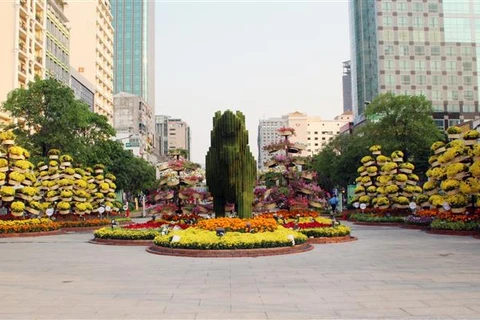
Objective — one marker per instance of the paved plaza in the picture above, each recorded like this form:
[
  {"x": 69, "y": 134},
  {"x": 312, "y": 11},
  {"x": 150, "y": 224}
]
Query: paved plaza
[{"x": 388, "y": 273}]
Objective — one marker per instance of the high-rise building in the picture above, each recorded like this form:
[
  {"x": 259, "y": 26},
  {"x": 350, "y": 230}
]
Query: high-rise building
[
  {"x": 91, "y": 48},
  {"x": 312, "y": 132},
  {"x": 347, "y": 87},
  {"x": 82, "y": 88},
  {"x": 417, "y": 47},
  {"x": 134, "y": 123},
  {"x": 57, "y": 60},
  {"x": 22, "y": 53},
  {"x": 179, "y": 135},
  {"x": 161, "y": 131},
  {"x": 134, "y": 63},
  {"x": 267, "y": 134}
]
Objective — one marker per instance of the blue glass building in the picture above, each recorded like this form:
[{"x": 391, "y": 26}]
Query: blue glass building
[
  {"x": 134, "y": 60},
  {"x": 417, "y": 47}
]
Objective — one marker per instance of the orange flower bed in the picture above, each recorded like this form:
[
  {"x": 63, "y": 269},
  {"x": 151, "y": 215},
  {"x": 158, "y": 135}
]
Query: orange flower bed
[
  {"x": 239, "y": 225},
  {"x": 449, "y": 216},
  {"x": 29, "y": 225},
  {"x": 291, "y": 214}
]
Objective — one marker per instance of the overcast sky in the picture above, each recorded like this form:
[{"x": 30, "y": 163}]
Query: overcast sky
[{"x": 264, "y": 58}]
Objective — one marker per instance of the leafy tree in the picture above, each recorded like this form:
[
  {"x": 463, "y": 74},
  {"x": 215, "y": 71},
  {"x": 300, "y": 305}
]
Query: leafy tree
[
  {"x": 405, "y": 124},
  {"x": 398, "y": 123},
  {"x": 50, "y": 117}
]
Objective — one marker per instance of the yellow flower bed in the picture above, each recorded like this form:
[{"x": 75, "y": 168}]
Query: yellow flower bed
[{"x": 194, "y": 238}]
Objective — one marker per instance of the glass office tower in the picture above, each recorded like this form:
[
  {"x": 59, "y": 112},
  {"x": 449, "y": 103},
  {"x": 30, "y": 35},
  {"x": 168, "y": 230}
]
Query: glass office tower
[
  {"x": 134, "y": 60},
  {"x": 417, "y": 47}
]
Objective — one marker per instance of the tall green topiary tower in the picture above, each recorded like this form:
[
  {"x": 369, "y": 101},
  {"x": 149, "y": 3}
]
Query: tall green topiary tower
[{"x": 230, "y": 166}]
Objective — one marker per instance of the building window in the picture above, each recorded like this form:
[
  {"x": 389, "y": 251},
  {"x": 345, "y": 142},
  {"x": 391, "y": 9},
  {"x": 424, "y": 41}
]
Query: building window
[
  {"x": 387, "y": 21},
  {"x": 451, "y": 66},
  {"x": 467, "y": 66},
  {"x": 435, "y": 50},
  {"x": 468, "y": 94},
  {"x": 389, "y": 50},
  {"x": 421, "y": 79},
  {"x": 402, "y": 21},
  {"x": 437, "y": 95},
  {"x": 404, "y": 65},
  {"x": 436, "y": 80},
  {"x": 468, "y": 108},
  {"x": 419, "y": 50},
  {"x": 467, "y": 80},
  {"x": 435, "y": 65},
  {"x": 389, "y": 64},
  {"x": 405, "y": 79},
  {"x": 402, "y": 7},
  {"x": 433, "y": 7},
  {"x": 438, "y": 107},
  {"x": 452, "y": 95},
  {"x": 420, "y": 66},
  {"x": 389, "y": 80},
  {"x": 418, "y": 22},
  {"x": 404, "y": 49},
  {"x": 452, "y": 80}
]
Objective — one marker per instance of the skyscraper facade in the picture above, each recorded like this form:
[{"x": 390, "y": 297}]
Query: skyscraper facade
[
  {"x": 347, "y": 87},
  {"x": 91, "y": 48},
  {"x": 134, "y": 64},
  {"x": 417, "y": 47},
  {"x": 22, "y": 54}
]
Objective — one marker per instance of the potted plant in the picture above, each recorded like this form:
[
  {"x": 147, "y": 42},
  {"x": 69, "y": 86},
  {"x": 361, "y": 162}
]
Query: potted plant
[
  {"x": 30, "y": 179},
  {"x": 366, "y": 181},
  {"x": 450, "y": 186},
  {"x": 27, "y": 193},
  {"x": 16, "y": 153},
  {"x": 372, "y": 191},
  {"x": 372, "y": 171},
  {"x": 66, "y": 160},
  {"x": 99, "y": 197},
  {"x": 429, "y": 187},
  {"x": 422, "y": 200},
  {"x": 456, "y": 171},
  {"x": 51, "y": 196},
  {"x": 63, "y": 207},
  {"x": 390, "y": 168},
  {"x": 66, "y": 195},
  {"x": 381, "y": 160},
  {"x": 397, "y": 156},
  {"x": 34, "y": 207},
  {"x": 80, "y": 208},
  {"x": 53, "y": 154},
  {"x": 454, "y": 132},
  {"x": 17, "y": 208},
  {"x": 474, "y": 169},
  {"x": 457, "y": 202},
  {"x": 413, "y": 179},
  {"x": 7, "y": 138},
  {"x": 80, "y": 184},
  {"x": 367, "y": 161},
  {"x": 376, "y": 149},
  {"x": 392, "y": 189},
  {"x": 99, "y": 168},
  {"x": 406, "y": 167},
  {"x": 400, "y": 179},
  {"x": 383, "y": 203},
  {"x": 471, "y": 137},
  {"x": 8, "y": 193},
  {"x": 401, "y": 202},
  {"x": 3, "y": 176},
  {"x": 15, "y": 178},
  {"x": 66, "y": 184},
  {"x": 80, "y": 195},
  {"x": 438, "y": 147}
]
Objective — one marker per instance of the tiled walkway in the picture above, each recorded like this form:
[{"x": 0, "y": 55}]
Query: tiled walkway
[{"x": 387, "y": 273}]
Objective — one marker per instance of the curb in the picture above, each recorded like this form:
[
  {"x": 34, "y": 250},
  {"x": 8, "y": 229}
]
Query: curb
[{"x": 238, "y": 253}]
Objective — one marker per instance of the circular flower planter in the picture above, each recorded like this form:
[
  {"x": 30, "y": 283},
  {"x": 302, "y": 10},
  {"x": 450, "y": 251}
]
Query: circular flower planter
[
  {"x": 116, "y": 242},
  {"x": 324, "y": 240},
  {"x": 237, "y": 253}
]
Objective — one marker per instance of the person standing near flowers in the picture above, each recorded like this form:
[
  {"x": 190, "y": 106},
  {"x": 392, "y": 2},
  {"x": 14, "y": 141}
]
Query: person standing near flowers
[{"x": 333, "y": 202}]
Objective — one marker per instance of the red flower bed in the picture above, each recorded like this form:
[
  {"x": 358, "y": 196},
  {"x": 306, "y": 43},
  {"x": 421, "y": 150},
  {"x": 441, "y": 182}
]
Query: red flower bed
[
  {"x": 307, "y": 225},
  {"x": 155, "y": 225}
]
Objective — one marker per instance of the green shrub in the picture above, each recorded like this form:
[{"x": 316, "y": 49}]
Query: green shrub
[
  {"x": 454, "y": 225},
  {"x": 362, "y": 217}
]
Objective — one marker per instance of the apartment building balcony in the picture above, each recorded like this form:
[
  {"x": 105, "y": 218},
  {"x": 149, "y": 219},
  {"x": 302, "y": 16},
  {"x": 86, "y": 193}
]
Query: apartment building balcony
[{"x": 22, "y": 72}]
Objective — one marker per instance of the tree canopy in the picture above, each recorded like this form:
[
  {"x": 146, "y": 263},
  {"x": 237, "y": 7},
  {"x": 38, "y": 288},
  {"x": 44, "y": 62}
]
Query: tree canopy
[
  {"x": 400, "y": 122},
  {"x": 50, "y": 117}
]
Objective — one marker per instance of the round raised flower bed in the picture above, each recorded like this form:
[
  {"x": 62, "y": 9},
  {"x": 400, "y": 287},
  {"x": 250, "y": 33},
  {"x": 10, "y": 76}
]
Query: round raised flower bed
[{"x": 197, "y": 242}]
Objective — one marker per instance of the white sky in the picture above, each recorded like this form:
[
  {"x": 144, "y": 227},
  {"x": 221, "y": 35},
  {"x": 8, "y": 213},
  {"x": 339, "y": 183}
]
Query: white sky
[{"x": 264, "y": 58}]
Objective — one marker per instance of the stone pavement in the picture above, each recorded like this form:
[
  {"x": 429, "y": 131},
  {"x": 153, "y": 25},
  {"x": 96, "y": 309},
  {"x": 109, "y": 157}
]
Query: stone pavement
[{"x": 388, "y": 273}]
